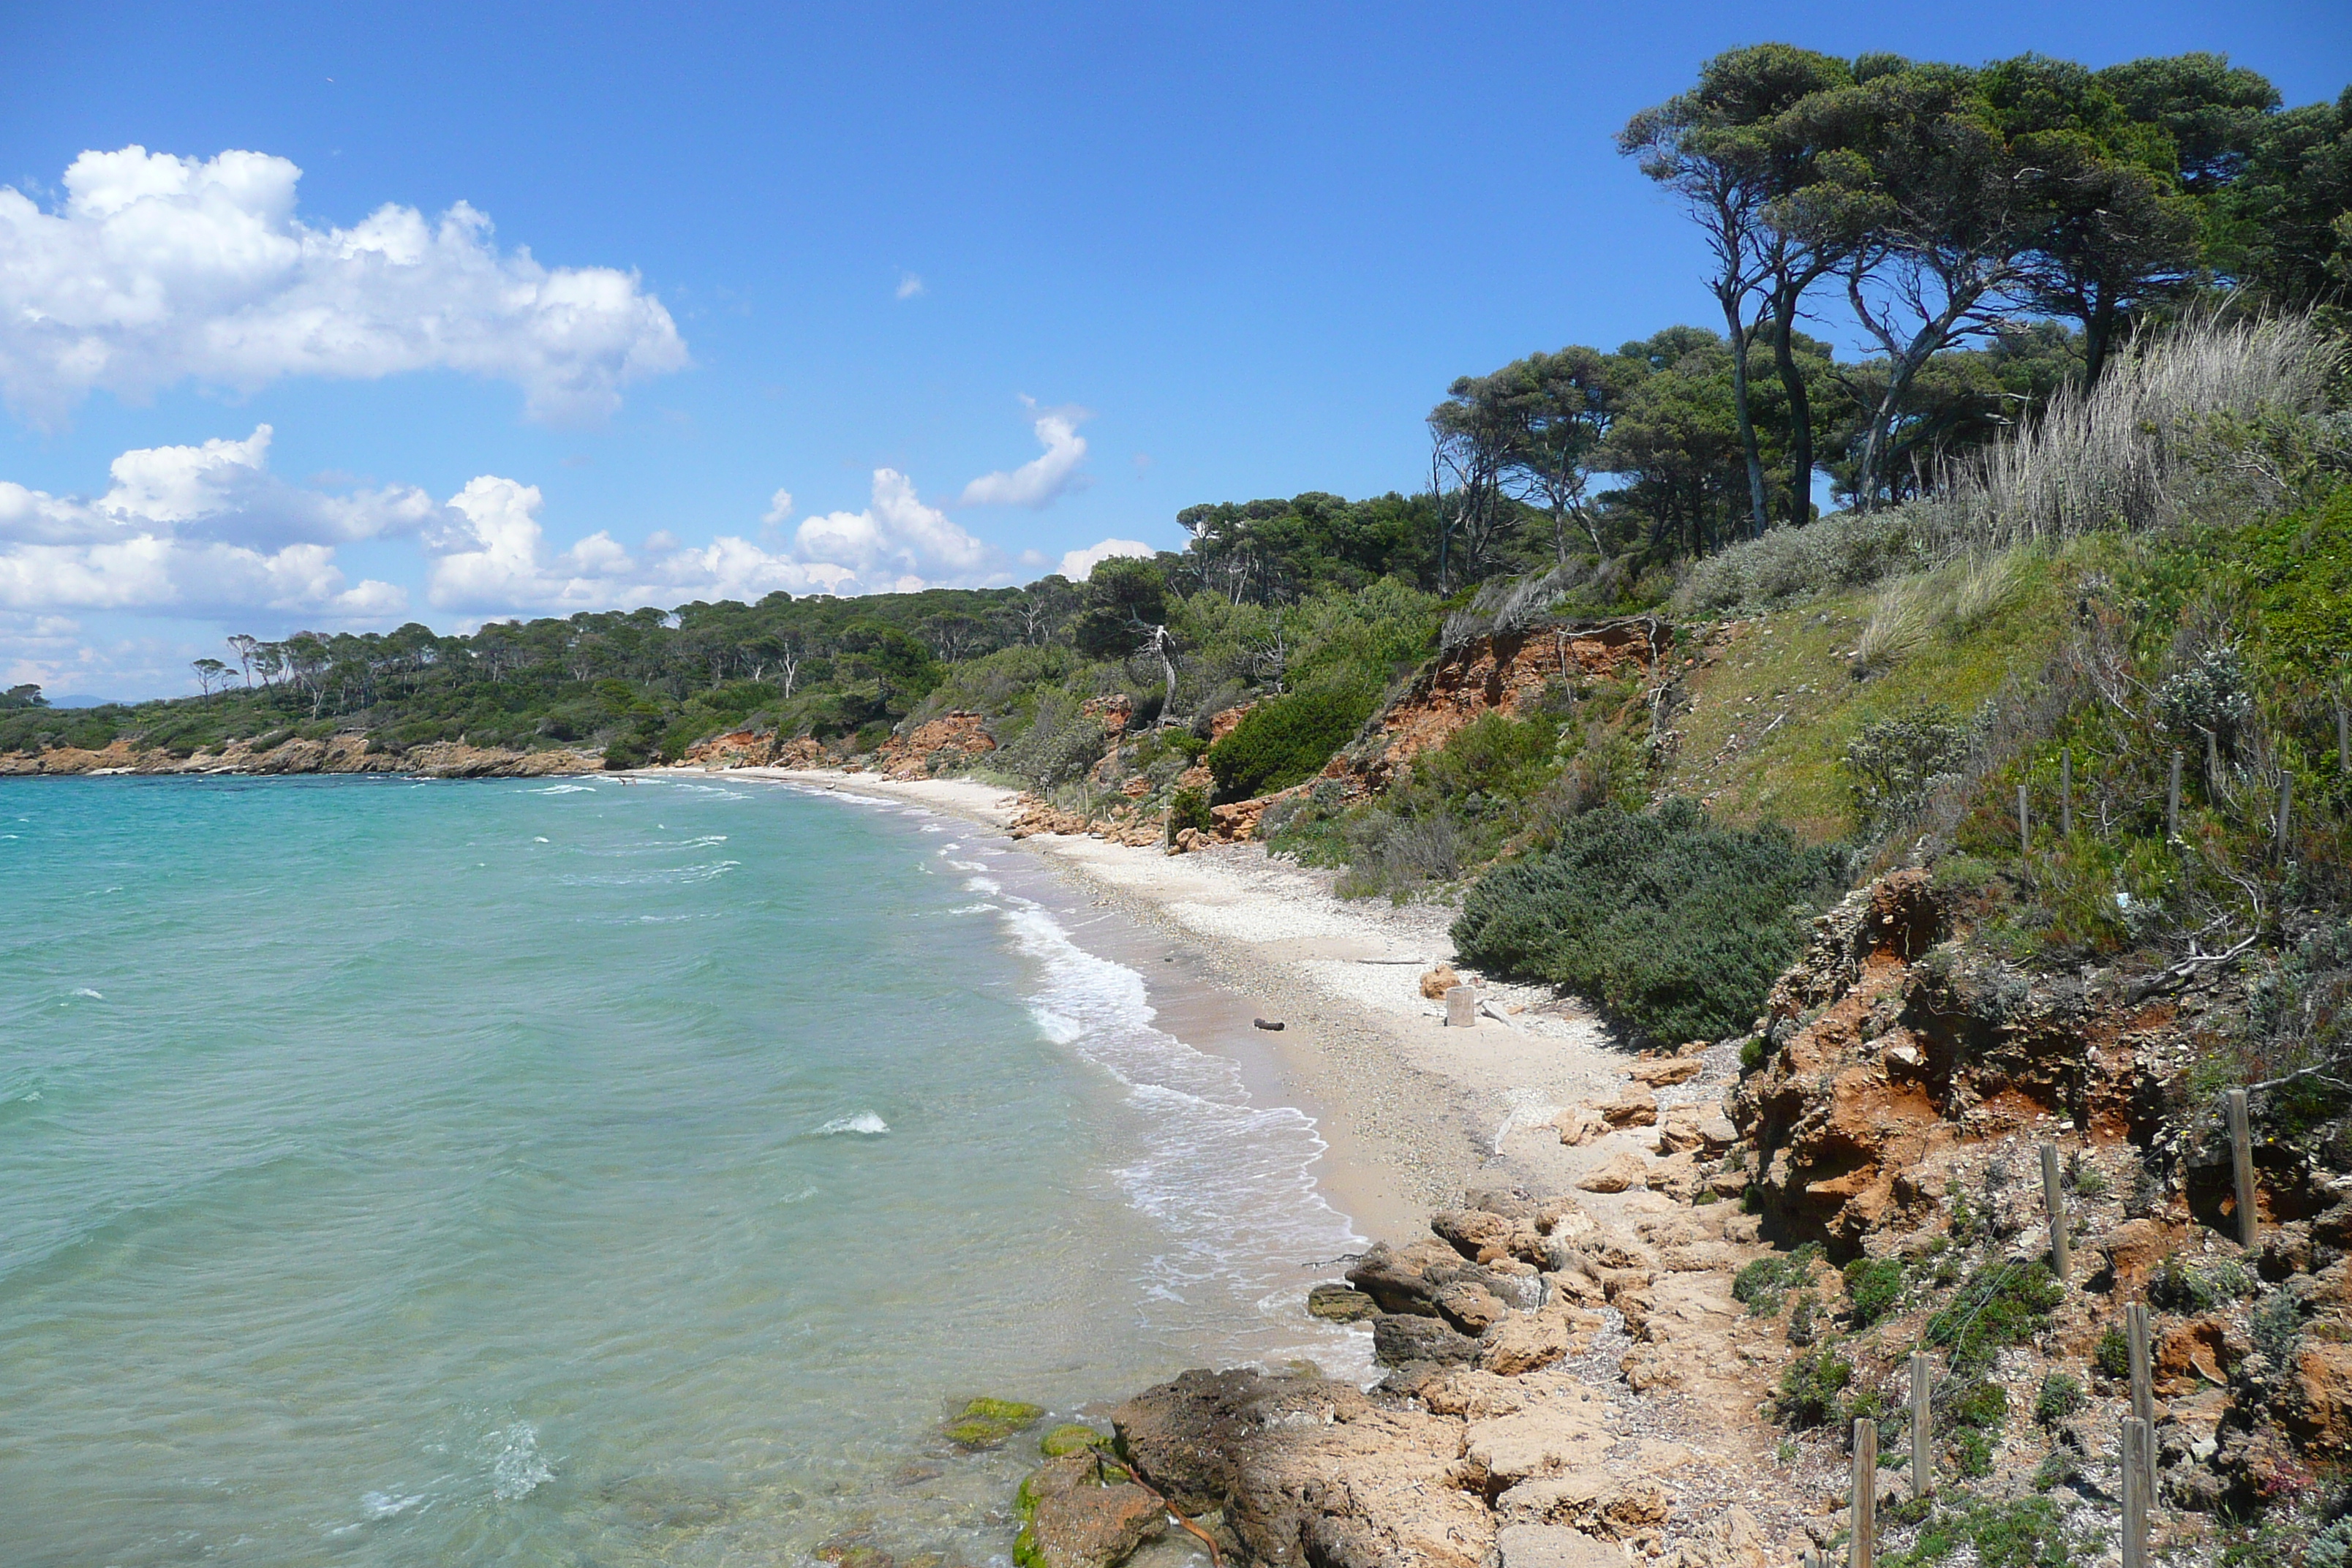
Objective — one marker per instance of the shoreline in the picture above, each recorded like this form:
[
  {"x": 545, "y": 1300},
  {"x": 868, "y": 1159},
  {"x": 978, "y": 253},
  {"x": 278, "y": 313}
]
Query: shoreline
[{"x": 1409, "y": 1112}]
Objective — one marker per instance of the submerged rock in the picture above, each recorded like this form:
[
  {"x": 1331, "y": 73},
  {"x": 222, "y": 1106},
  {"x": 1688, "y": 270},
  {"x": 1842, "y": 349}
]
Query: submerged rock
[
  {"x": 1083, "y": 1509},
  {"x": 1340, "y": 1304},
  {"x": 1070, "y": 1438},
  {"x": 989, "y": 1423}
]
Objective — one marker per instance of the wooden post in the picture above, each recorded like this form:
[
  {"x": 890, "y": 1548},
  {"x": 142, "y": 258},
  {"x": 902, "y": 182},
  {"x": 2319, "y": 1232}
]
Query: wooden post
[
  {"x": 2242, "y": 1165},
  {"x": 2343, "y": 738},
  {"x": 2136, "y": 1457},
  {"x": 2172, "y": 799},
  {"x": 2143, "y": 1379},
  {"x": 1923, "y": 1455},
  {"x": 1462, "y": 1007},
  {"x": 1864, "y": 1553},
  {"x": 2025, "y": 828},
  {"x": 2286, "y": 806},
  {"x": 2054, "y": 1200},
  {"x": 2067, "y": 793}
]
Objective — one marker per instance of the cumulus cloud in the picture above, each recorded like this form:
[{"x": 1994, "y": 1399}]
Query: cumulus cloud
[
  {"x": 489, "y": 555},
  {"x": 1040, "y": 482},
  {"x": 158, "y": 269},
  {"x": 1078, "y": 565},
  {"x": 198, "y": 529},
  {"x": 896, "y": 542},
  {"x": 909, "y": 285},
  {"x": 779, "y": 508}
]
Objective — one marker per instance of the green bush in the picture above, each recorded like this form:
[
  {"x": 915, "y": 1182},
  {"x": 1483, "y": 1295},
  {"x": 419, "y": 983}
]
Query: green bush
[
  {"x": 2002, "y": 1304},
  {"x": 2113, "y": 1356},
  {"x": 1286, "y": 741},
  {"x": 1896, "y": 764},
  {"x": 1874, "y": 1288},
  {"x": 1188, "y": 808},
  {"x": 1761, "y": 1283},
  {"x": 1810, "y": 1387},
  {"x": 1676, "y": 926},
  {"x": 2060, "y": 1397}
]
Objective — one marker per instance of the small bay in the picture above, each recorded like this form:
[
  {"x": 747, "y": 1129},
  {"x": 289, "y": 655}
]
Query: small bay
[{"x": 572, "y": 1172}]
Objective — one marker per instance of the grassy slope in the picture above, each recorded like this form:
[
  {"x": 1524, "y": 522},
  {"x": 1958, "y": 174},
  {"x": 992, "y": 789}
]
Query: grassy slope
[{"x": 1793, "y": 666}]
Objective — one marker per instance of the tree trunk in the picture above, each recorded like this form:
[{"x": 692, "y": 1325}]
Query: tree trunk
[
  {"x": 1732, "y": 317},
  {"x": 1801, "y": 406},
  {"x": 2098, "y": 332}
]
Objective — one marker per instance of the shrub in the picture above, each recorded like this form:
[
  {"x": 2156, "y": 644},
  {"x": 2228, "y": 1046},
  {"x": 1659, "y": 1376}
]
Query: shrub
[
  {"x": 2004, "y": 1304},
  {"x": 2113, "y": 1356},
  {"x": 1874, "y": 1288},
  {"x": 1810, "y": 1388},
  {"x": 1188, "y": 808},
  {"x": 1897, "y": 762},
  {"x": 2060, "y": 1397},
  {"x": 2332, "y": 1547},
  {"x": 1676, "y": 927},
  {"x": 1754, "y": 1052},
  {"x": 1761, "y": 1282},
  {"x": 1286, "y": 740},
  {"x": 1973, "y": 1451},
  {"x": 2183, "y": 1287},
  {"x": 1800, "y": 1321}
]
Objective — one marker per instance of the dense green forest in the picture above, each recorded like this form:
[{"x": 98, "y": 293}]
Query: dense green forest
[{"x": 2089, "y": 512}]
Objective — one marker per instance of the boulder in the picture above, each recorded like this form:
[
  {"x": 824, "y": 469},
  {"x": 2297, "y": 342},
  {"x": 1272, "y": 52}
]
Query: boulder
[
  {"x": 1677, "y": 1177},
  {"x": 1580, "y": 1124},
  {"x": 1438, "y": 982},
  {"x": 1475, "y": 1233},
  {"x": 1664, "y": 1070},
  {"x": 1084, "y": 1511},
  {"x": 1471, "y": 1307},
  {"x": 1525, "y": 1341},
  {"x": 1339, "y": 1304},
  {"x": 2319, "y": 1402},
  {"x": 1616, "y": 1174},
  {"x": 1635, "y": 1106},
  {"x": 1417, "y": 1278},
  {"x": 1308, "y": 1470},
  {"x": 1563, "y": 1436},
  {"x": 1401, "y": 1339},
  {"x": 2133, "y": 1249}
]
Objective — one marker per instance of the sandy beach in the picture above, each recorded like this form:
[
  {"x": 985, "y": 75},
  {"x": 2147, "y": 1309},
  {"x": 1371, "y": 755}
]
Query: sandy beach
[{"x": 1413, "y": 1111}]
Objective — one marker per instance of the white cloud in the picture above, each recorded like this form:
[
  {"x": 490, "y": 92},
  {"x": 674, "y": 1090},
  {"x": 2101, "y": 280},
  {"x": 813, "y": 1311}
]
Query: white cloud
[
  {"x": 158, "y": 269},
  {"x": 490, "y": 555},
  {"x": 909, "y": 285},
  {"x": 779, "y": 508},
  {"x": 1041, "y": 480},
  {"x": 1078, "y": 565},
  {"x": 896, "y": 541}
]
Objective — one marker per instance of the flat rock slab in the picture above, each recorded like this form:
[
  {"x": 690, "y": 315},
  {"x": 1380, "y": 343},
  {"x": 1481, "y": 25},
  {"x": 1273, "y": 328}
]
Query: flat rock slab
[{"x": 1555, "y": 1546}]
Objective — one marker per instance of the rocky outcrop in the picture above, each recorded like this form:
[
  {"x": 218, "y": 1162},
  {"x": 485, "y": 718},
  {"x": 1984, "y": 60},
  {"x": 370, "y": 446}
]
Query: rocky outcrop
[
  {"x": 1499, "y": 673},
  {"x": 953, "y": 740},
  {"x": 345, "y": 754}
]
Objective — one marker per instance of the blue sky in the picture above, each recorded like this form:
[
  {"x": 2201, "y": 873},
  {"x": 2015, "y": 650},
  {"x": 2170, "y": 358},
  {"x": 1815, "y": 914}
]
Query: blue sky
[{"x": 1234, "y": 252}]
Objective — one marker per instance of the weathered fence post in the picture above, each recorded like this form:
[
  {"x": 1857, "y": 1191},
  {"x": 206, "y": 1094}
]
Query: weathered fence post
[
  {"x": 1462, "y": 1007},
  {"x": 2343, "y": 738},
  {"x": 2136, "y": 1490},
  {"x": 2054, "y": 1200},
  {"x": 2172, "y": 799},
  {"x": 2025, "y": 828},
  {"x": 2285, "y": 810},
  {"x": 2067, "y": 793},
  {"x": 1864, "y": 1550},
  {"x": 2242, "y": 1164},
  {"x": 1923, "y": 1459},
  {"x": 2143, "y": 1379}
]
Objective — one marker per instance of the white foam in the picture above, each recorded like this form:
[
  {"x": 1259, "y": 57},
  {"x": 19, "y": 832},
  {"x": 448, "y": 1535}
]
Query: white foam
[
  {"x": 538, "y": 841},
  {"x": 564, "y": 789},
  {"x": 86, "y": 991},
  {"x": 517, "y": 1468},
  {"x": 384, "y": 1505},
  {"x": 865, "y": 1123}
]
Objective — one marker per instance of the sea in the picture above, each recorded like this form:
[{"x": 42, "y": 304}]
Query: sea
[{"x": 572, "y": 1172}]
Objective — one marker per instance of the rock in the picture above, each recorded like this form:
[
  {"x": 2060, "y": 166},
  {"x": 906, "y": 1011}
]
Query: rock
[
  {"x": 1400, "y": 1340},
  {"x": 1676, "y": 1177},
  {"x": 1507, "y": 1202},
  {"x": 1340, "y": 1304},
  {"x": 1617, "y": 1173},
  {"x": 1471, "y": 1307},
  {"x": 1560, "y": 1436},
  {"x": 1415, "y": 1278},
  {"x": 1084, "y": 1511},
  {"x": 2319, "y": 1402},
  {"x": 988, "y": 1422},
  {"x": 1274, "y": 1024},
  {"x": 1580, "y": 1124},
  {"x": 1555, "y": 1546},
  {"x": 1636, "y": 1105},
  {"x": 1438, "y": 982},
  {"x": 1478, "y": 1234},
  {"x": 1664, "y": 1070},
  {"x": 1070, "y": 1438},
  {"x": 1524, "y": 1342},
  {"x": 2133, "y": 1249},
  {"x": 1308, "y": 1471}
]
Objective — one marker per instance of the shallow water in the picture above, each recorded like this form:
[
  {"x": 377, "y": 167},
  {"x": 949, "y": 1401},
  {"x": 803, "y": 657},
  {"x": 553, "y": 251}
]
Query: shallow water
[{"x": 517, "y": 1171}]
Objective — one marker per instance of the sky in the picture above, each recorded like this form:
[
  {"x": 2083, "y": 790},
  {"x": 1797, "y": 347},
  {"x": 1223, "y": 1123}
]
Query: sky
[{"x": 342, "y": 317}]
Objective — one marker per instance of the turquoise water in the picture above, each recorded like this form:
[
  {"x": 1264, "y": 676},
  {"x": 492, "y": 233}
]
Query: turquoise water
[{"x": 517, "y": 1171}]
